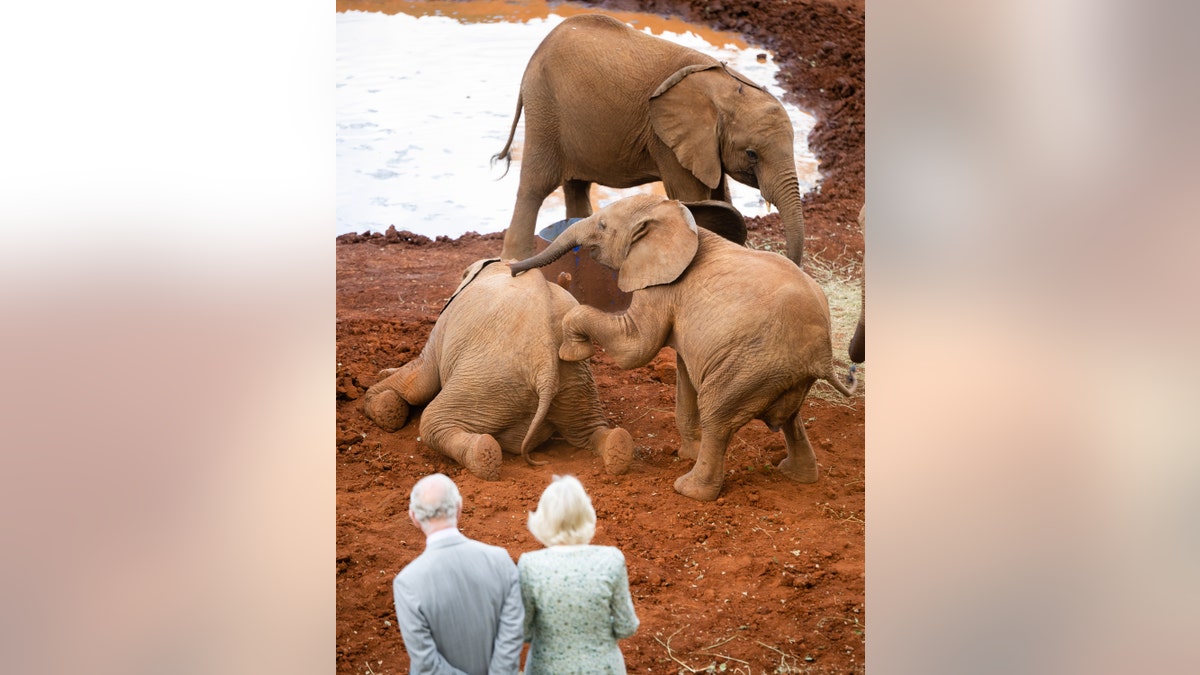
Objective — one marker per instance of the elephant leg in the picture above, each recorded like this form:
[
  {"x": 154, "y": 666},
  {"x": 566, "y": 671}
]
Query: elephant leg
[
  {"x": 387, "y": 402},
  {"x": 703, "y": 482},
  {"x": 858, "y": 342},
  {"x": 687, "y": 413},
  {"x": 478, "y": 453},
  {"x": 801, "y": 463},
  {"x": 577, "y": 415},
  {"x": 615, "y": 447},
  {"x": 540, "y": 175},
  {"x": 577, "y": 195}
]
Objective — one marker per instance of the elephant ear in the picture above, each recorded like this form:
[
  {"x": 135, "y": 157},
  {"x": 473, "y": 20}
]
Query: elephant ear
[
  {"x": 684, "y": 117},
  {"x": 468, "y": 276},
  {"x": 742, "y": 78},
  {"x": 719, "y": 217},
  {"x": 661, "y": 247}
]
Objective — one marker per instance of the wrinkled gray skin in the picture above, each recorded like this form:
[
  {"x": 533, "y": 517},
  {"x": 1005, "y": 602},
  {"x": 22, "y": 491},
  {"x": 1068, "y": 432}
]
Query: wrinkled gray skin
[
  {"x": 858, "y": 343},
  {"x": 607, "y": 104},
  {"x": 492, "y": 379},
  {"x": 750, "y": 329}
]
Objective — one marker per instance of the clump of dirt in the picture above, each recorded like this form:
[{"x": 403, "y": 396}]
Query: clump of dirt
[{"x": 768, "y": 578}]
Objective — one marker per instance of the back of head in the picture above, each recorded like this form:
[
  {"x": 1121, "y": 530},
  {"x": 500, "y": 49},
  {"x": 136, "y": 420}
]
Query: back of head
[
  {"x": 564, "y": 514},
  {"x": 435, "y": 497}
]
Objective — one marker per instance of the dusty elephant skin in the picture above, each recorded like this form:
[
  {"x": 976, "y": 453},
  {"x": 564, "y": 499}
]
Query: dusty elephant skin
[
  {"x": 750, "y": 330},
  {"x": 762, "y": 580},
  {"x": 607, "y": 104},
  {"x": 858, "y": 343},
  {"x": 492, "y": 379}
]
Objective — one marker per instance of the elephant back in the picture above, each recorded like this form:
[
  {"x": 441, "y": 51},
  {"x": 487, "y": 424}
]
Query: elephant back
[
  {"x": 592, "y": 41},
  {"x": 746, "y": 292},
  {"x": 496, "y": 317}
]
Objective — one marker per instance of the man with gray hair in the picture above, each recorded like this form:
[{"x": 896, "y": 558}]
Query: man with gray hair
[{"x": 459, "y": 603}]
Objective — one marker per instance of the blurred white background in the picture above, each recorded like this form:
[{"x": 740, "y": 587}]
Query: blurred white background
[{"x": 424, "y": 102}]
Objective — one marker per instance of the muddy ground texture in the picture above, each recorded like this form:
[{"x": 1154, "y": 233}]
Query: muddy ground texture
[{"x": 767, "y": 579}]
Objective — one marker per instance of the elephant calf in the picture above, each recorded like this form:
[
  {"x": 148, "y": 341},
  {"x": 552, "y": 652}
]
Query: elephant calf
[
  {"x": 750, "y": 329},
  {"x": 493, "y": 381}
]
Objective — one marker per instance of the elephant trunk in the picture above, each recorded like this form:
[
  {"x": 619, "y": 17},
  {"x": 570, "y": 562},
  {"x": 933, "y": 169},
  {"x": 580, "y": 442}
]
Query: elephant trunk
[
  {"x": 783, "y": 190},
  {"x": 558, "y": 248}
]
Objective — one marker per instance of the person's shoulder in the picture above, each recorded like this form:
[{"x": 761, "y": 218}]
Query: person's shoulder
[
  {"x": 611, "y": 553},
  {"x": 536, "y": 553},
  {"x": 490, "y": 550},
  {"x": 412, "y": 572},
  {"x": 532, "y": 557}
]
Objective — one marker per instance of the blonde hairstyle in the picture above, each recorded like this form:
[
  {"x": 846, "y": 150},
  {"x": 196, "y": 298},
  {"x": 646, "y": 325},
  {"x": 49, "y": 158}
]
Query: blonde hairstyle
[{"x": 564, "y": 514}]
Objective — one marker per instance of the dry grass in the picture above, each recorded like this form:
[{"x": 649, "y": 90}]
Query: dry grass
[
  {"x": 842, "y": 284},
  {"x": 781, "y": 662}
]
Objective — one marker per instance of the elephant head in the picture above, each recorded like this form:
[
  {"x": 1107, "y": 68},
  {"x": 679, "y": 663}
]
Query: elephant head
[
  {"x": 654, "y": 243},
  {"x": 716, "y": 122}
]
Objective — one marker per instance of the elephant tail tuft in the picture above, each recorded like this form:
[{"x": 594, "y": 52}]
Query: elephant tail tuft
[
  {"x": 506, "y": 153},
  {"x": 851, "y": 382}
]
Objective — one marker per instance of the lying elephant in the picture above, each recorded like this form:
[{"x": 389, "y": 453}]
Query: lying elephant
[
  {"x": 493, "y": 381},
  {"x": 750, "y": 328}
]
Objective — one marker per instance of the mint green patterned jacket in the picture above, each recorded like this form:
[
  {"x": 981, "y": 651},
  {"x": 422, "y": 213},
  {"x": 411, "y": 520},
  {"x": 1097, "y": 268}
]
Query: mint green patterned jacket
[{"x": 577, "y": 605}]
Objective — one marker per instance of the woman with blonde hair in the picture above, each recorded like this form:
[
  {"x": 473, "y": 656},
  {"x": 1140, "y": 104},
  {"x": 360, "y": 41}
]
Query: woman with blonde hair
[{"x": 577, "y": 601}]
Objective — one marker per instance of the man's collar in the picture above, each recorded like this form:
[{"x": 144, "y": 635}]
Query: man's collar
[{"x": 442, "y": 534}]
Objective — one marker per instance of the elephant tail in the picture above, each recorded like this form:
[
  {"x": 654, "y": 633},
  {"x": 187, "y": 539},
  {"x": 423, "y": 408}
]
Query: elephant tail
[
  {"x": 547, "y": 386},
  {"x": 506, "y": 153},
  {"x": 851, "y": 384}
]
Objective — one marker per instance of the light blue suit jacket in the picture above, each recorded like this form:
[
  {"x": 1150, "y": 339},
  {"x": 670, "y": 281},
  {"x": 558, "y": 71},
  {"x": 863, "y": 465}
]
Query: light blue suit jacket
[{"x": 459, "y": 608}]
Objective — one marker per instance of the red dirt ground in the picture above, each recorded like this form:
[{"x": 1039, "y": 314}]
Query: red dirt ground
[{"x": 768, "y": 578}]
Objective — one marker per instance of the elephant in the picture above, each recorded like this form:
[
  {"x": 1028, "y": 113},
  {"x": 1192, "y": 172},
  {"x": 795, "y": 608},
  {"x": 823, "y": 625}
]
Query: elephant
[
  {"x": 751, "y": 330},
  {"x": 858, "y": 343},
  {"x": 493, "y": 381},
  {"x": 607, "y": 104}
]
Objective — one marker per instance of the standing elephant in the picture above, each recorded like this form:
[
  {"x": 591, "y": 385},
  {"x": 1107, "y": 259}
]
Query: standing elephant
[
  {"x": 493, "y": 381},
  {"x": 858, "y": 343},
  {"x": 608, "y": 104},
  {"x": 749, "y": 328}
]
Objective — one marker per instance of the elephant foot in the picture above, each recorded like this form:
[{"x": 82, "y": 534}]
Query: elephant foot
[
  {"x": 572, "y": 350},
  {"x": 483, "y": 458},
  {"x": 689, "y": 485},
  {"x": 801, "y": 473},
  {"x": 615, "y": 447},
  {"x": 387, "y": 409}
]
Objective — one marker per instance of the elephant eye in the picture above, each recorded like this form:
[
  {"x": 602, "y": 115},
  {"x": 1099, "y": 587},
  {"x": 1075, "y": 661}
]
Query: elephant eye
[
  {"x": 752, "y": 155},
  {"x": 602, "y": 225}
]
